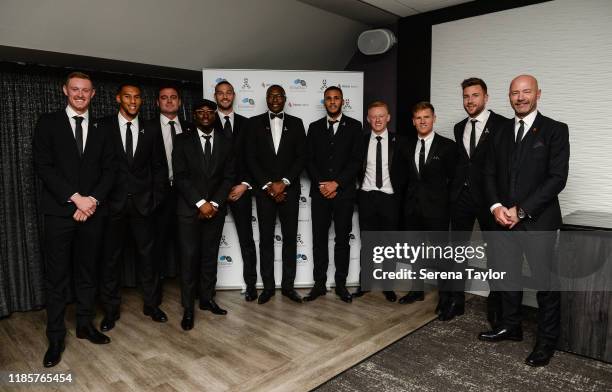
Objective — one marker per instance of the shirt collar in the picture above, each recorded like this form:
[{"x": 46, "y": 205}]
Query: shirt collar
[
  {"x": 200, "y": 134},
  {"x": 71, "y": 113},
  {"x": 222, "y": 116},
  {"x": 528, "y": 119},
  {"x": 281, "y": 112},
  {"x": 123, "y": 120},
  {"x": 482, "y": 117},
  {"x": 165, "y": 120},
  {"x": 331, "y": 119},
  {"x": 384, "y": 134},
  {"x": 428, "y": 137}
]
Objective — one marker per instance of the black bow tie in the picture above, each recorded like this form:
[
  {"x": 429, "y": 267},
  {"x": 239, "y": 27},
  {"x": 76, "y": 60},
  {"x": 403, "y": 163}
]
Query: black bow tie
[
  {"x": 274, "y": 115},
  {"x": 332, "y": 122}
]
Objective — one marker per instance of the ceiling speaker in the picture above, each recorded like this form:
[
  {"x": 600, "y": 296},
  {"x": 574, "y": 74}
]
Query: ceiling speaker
[{"x": 376, "y": 41}]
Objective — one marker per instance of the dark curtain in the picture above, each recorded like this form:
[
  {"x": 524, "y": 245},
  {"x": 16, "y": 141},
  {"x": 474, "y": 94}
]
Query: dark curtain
[{"x": 28, "y": 92}]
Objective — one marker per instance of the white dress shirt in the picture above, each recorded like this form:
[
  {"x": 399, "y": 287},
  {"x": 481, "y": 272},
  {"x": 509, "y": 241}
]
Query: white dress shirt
[
  {"x": 336, "y": 124},
  {"x": 276, "y": 126},
  {"x": 428, "y": 140},
  {"x": 167, "y": 136},
  {"x": 203, "y": 144},
  {"x": 84, "y": 124},
  {"x": 134, "y": 128},
  {"x": 369, "y": 180},
  {"x": 481, "y": 121}
]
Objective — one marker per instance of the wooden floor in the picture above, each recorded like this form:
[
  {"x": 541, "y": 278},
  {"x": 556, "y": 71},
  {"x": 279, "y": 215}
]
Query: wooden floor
[{"x": 279, "y": 346}]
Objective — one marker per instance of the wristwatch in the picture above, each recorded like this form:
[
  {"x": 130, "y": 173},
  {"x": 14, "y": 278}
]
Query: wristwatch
[{"x": 521, "y": 213}]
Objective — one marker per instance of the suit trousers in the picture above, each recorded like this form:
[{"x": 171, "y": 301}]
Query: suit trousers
[
  {"x": 199, "y": 246},
  {"x": 71, "y": 250},
  {"x": 129, "y": 223},
  {"x": 166, "y": 245},
  {"x": 287, "y": 211},
  {"x": 323, "y": 211},
  {"x": 242, "y": 211}
]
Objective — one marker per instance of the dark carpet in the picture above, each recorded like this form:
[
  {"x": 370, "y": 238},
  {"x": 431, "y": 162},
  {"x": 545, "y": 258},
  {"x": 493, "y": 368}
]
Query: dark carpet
[{"x": 447, "y": 356}]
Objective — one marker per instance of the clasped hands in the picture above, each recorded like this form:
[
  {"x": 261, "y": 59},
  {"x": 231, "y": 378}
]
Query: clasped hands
[
  {"x": 329, "y": 189},
  {"x": 207, "y": 211},
  {"x": 276, "y": 190},
  {"x": 86, "y": 207},
  {"x": 507, "y": 217}
]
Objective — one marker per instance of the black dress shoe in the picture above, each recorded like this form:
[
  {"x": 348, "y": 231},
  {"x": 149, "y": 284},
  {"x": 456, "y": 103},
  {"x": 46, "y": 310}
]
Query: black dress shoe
[
  {"x": 315, "y": 293},
  {"x": 53, "y": 356},
  {"x": 108, "y": 322},
  {"x": 442, "y": 305},
  {"x": 212, "y": 306},
  {"x": 292, "y": 295},
  {"x": 390, "y": 296},
  {"x": 344, "y": 294},
  {"x": 265, "y": 296},
  {"x": 411, "y": 297},
  {"x": 541, "y": 355},
  {"x": 499, "y": 334},
  {"x": 451, "y": 310},
  {"x": 155, "y": 313},
  {"x": 92, "y": 334},
  {"x": 250, "y": 294},
  {"x": 359, "y": 292},
  {"x": 187, "y": 321}
]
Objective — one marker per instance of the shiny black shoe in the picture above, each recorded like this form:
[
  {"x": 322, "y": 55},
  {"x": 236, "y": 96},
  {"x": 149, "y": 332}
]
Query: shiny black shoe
[
  {"x": 292, "y": 295},
  {"x": 250, "y": 294},
  {"x": 155, "y": 313},
  {"x": 315, "y": 293},
  {"x": 541, "y": 355},
  {"x": 344, "y": 294},
  {"x": 90, "y": 333},
  {"x": 451, "y": 310},
  {"x": 499, "y": 334},
  {"x": 187, "y": 321},
  {"x": 411, "y": 297},
  {"x": 359, "y": 292},
  {"x": 442, "y": 305},
  {"x": 390, "y": 296},
  {"x": 53, "y": 356},
  {"x": 265, "y": 296},
  {"x": 212, "y": 306},
  {"x": 108, "y": 322}
]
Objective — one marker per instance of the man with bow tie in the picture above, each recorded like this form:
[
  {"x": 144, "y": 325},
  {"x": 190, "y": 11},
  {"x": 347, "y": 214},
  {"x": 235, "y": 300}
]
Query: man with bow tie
[
  {"x": 426, "y": 167},
  {"x": 527, "y": 167},
  {"x": 276, "y": 155},
  {"x": 136, "y": 193},
  {"x": 203, "y": 163},
  {"x": 334, "y": 158},
  {"x": 472, "y": 135},
  {"x": 75, "y": 162}
]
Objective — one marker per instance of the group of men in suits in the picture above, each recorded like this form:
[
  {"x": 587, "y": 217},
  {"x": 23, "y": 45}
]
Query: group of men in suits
[{"x": 166, "y": 180}]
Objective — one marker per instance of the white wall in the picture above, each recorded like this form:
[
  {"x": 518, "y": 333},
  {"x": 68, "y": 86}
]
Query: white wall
[
  {"x": 188, "y": 34},
  {"x": 567, "y": 45}
]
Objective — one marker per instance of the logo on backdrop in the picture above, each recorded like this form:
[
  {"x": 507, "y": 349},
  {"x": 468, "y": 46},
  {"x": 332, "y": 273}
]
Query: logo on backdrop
[
  {"x": 298, "y": 85},
  {"x": 323, "y": 85},
  {"x": 225, "y": 260},
  {"x": 278, "y": 240},
  {"x": 299, "y": 240},
  {"x": 303, "y": 202},
  {"x": 347, "y": 104},
  {"x": 301, "y": 258},
  {"x": 297, "y": 105},
  {"x": 224, "y": 243},
  {"x": 245, "y": 84}
]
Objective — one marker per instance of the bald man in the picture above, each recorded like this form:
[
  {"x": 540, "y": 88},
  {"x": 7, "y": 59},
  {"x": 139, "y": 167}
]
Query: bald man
[{"x": 526, "y": 169}]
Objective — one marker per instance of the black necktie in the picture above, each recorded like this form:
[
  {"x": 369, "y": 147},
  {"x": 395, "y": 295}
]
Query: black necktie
[
  {"x": 519, "y": 135},
  {"x": 473, "y": 138},
  {"x": 129, "y": 150},
  {"x": 172, "y": 130},
  {"x": 207, "y": 151},
  {"x": 379, "y": 181},
  {"x": 78, "y": 134},
  {"x": 422, "y": 156},
  {"x": 330, "y": 129},
  {"x": 274, "y": 115},
  {"x": 227, "y": 127}
]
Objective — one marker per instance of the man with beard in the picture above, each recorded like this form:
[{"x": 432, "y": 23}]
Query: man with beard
[
  {"x": 334, "y": 157},
  {"x": 233, "y": 127},
  {"x": 468, "y": 204},
  {"x": 204, "y": 172},
  {"x": 276, "y": 155},
  {"x": 137, "y": 190}
]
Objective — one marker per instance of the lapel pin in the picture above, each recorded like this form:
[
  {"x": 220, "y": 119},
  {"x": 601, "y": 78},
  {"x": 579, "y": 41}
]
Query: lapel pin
[
  {"x": 95, "y": 125},
  {"x": 486, "y": 130},
  {"x": 535, "y": 129},
  {"x": 284, "y": 128}
]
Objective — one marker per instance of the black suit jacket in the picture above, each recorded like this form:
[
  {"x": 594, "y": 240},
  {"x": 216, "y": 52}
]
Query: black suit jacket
[
  {"x": 334, "y": 157},
  {"x": 63, "y": 172},
  {"x": 265, "y": 164},
  {"x": 239, "y": 143},
  {"x": 193, "y": 180},
  {"x": 470, "y": 169},
  {"x": 427, "y": 193},
  {"x": 393, "y": 169},
  {"x": 531, "y": 176},
  {"x": 145, "y": 179}
]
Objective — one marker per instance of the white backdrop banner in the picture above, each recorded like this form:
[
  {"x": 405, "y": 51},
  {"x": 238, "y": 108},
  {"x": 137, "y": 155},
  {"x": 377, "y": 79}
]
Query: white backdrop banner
[{"x": 304, "y": 91}]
